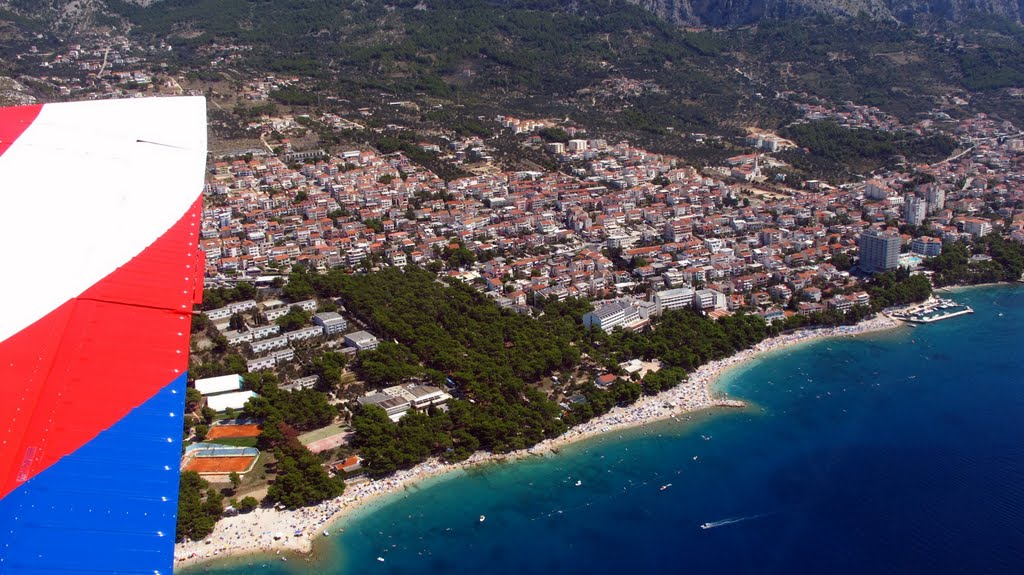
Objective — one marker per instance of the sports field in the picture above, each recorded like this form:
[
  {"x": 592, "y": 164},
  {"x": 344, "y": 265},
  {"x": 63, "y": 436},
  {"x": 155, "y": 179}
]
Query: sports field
[
  {"x": 222, "y": 431},
  {"x": 219, "y": 464}
]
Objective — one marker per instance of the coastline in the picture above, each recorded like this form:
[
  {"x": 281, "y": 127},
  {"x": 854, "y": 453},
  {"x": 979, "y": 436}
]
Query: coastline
[
  {"x": 270, "y": 531},
  {"x": 961, "y": 288}
]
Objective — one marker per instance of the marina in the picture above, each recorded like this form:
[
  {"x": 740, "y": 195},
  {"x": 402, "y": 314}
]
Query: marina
[{"x": 933, "y": 310}]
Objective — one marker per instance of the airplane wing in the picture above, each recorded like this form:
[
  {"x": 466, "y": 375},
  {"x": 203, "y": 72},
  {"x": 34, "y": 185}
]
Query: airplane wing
[{"x": 100, "y": 209}]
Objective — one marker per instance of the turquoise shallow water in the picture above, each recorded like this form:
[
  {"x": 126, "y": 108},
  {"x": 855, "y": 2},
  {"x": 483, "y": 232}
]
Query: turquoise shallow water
[{"x": 898, "y": 452}]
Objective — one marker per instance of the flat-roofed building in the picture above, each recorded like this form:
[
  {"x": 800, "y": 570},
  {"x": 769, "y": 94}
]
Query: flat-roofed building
[
  {"x": 262, "y": 331},
  {"x": 427, "y": 395},
  {"x": 361, "y": 340},
  {"x": 678, "y": 298},
  {"x": 219, "y": 384},
  {"x": 705, "y": 299},
  {"x": 977, "y": 227},
  {"x": 301, "y": 383},
  {"x": 265, "y": 345},
  {"x": 304, "y": 333},
  {"x": 331, "y": 322},
  {"x": 879, "y": 251},
  {"x": 235, "y": 400},
  {"x": 238, "y": 337},
  {"x": 926, "y": 246},
  {"x": 261, "y": 363}
]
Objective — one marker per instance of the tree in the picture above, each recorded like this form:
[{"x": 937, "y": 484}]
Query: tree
[
  {"x": 201, "y": 431},
  {"x": 235, "y": 480},
  {"x": 460, "y": 258},
  {"x": 237, "y": 322},
  {"x": 295, "y": 318},
  {"x": 200, "y": 322},
  {"x": 192, "y": 398},
  {"x": 842, "y": 261},
  {"x": 329, "y": 367},
  {"x": 248, "y": 504},
  {"x": 196, "y": 515}
]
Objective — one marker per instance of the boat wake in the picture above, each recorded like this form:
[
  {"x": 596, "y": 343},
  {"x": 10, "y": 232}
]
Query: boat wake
[{"x": 730, "y": 521}]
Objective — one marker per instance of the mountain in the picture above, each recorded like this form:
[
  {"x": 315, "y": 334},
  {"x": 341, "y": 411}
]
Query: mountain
[
  {"x": 611, "y": 65},
  {"x": 739, "y": 12}
]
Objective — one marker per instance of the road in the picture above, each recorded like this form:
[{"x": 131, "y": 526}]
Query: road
[{"x": 975, "y": 145}]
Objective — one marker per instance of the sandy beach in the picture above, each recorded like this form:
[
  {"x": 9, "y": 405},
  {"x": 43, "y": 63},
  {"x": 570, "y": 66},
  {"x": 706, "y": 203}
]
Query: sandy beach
[{"x": 266, "y": 531}]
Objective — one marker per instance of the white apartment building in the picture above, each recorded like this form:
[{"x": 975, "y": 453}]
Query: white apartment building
[{"x": 678, "y": 298}]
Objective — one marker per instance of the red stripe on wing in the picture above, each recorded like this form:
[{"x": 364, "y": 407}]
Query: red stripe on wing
[{"x": 14, "y": 121}]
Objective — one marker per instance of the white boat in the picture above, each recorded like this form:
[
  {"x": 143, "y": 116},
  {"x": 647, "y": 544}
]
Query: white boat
[
  {"x": 482, "y": 518},
  {"x": 381, "y": 559},
  {"x": 326, "y": 533},
  {"x": 578, "y": 483},
  {"x": 706, "y": 526},
  {"x": 666, "y": 486}
]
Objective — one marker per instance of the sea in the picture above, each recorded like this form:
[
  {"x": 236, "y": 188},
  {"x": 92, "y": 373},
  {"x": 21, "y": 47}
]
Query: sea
[{"x": 894, "y": 452}]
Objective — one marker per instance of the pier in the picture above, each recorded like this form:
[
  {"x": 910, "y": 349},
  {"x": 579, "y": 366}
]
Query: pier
[{"x": 932, "y": 311}]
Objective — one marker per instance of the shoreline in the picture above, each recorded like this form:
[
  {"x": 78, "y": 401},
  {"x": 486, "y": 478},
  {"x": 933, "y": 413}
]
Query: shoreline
[{"x": 254, "y": 534}]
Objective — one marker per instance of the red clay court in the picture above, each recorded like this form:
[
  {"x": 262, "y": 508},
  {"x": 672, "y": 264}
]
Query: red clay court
[
  {"x": 219, "y": 464},
  {"x": 221, "y": 431}
]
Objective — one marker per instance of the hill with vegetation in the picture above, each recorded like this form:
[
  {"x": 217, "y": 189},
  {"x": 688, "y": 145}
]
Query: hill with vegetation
[
  {"x": 610, "y": 66},
  {"x": 715, "y": 13}
]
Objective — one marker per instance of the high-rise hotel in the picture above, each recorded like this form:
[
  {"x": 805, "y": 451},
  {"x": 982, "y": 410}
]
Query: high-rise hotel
[{"x": 879, "y": 251}]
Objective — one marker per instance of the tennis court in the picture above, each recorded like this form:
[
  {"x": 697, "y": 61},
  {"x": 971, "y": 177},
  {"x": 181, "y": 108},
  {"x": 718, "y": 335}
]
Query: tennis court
[
  {"x": 220, "y": 464},
  {"x": 222, "y": 431}
]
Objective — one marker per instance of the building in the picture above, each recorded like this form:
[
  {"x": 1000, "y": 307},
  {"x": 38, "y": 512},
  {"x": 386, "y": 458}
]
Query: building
[
  {"x": 977, "y": 227},
  {"x": 273, "y": 314},
  {"x": 914, "y": 210},
  {"x": 395, "y": 407},
  {"x": 876, "y": 190},
  {"x": 301, "y": 383},
  {"x": 397, "y": 400},
  {"x": 577, "y": 146},
  {"x": 304, "y": 333},
  {"x": 331, "y": 322},
  {"x": 705, "y": 299},
  {"x": 283, "y": 355},
  {"x": 237, "y": 337},
  {"x": 609, "y": 315},
  {"x": 879, "y": 251},
  {"x": 261, "y": 363},
  {"x": 271, "y": 344},
  {"x": 841, "y": 303},
  {"x": 263, "y": 331},
  {"x": 221, "y": 384},
  {"x": 926, "y": 246},
  {"x": 361, "y": 340},
  {"x": 235, "y": 400},
  {"x": 678, "y": 298},
  {"x": 350, "y": 465},
  {"x": 426, "y": 395},
  {"x": 230, "y": 309},
  {"x": 936, "y": 198}
]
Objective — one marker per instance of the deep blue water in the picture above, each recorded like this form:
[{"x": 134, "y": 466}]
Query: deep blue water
[{"x": 900, "y": 452}]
